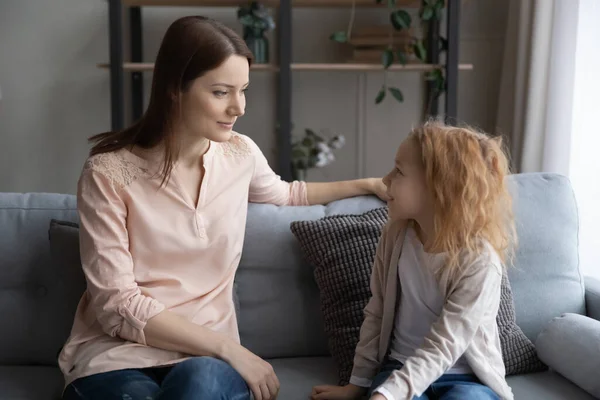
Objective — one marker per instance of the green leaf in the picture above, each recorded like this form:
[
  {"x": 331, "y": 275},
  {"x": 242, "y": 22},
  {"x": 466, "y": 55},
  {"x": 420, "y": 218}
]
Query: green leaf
[
  {"x": 400, "y": 19},
  {"x": 298, "y": 153},
  {"x": 308, "y": 142},
  {"x": 397, "y": 94},
  {"x": 437, "y": 77},
  {"x": 420, "y": 50},
  {"x": 247, "y": 20},
  {"x": 387, "y": 58},
  {"x": 380, "y": 95},
  {"x": 401, "y": 57},
  {"x": 440, "y": 83},
  {"x": 443, "y": 44},
  {"x": 340, "y": 37},
  {"x": 427, "y": 13},
  {"x": 310, "y": 132},
  {"x": 439, "y": 11}
]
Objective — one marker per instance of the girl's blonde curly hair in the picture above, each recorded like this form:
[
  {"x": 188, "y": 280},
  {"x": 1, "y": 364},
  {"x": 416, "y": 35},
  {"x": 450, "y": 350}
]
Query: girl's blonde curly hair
[{"x": 465, "y": 170}]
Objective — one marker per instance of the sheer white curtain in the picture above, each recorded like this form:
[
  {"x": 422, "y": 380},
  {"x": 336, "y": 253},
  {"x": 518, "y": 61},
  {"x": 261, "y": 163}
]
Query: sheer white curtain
[
  {"x": 534, "y": 108},
  {"x": 548, "y": 105},
  {"x": 584, "y": 168}
]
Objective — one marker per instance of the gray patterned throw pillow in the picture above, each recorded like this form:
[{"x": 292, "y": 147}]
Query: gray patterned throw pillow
[{"x": 342, "y": 249}]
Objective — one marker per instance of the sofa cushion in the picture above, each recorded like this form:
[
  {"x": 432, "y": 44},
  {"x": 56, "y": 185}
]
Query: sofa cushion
[
  {"x": 546, "y": 260},
  {"x": 279, "y": 300},
  {"x": 545, "y": 386},
  {"x": 30, "y": 383},
  {"x": 342, "y": 249},
  {"x": 298, "y": 375},
  {"x": 570, "y": 345},
  {"x": 64, "y": 247},
  {"x": 518, "y": 352},
  {"x": 33, "y": 294}
]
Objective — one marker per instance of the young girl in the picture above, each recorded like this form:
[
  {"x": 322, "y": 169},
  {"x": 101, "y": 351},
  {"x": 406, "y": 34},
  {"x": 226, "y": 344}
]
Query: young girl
[
  {"x": 162, "y": 207},
  {"x": 430, "y": 327}
]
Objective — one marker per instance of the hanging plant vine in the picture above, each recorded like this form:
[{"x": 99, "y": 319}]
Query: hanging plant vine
[{"x": 431, "y": 11}]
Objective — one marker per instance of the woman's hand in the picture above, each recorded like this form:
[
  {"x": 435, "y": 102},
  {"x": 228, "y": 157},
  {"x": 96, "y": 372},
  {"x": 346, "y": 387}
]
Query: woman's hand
[
  {"x": 257, "y": 373},
  {"x": 329, "y": 392},
  {"x": 378, "y": 188}
]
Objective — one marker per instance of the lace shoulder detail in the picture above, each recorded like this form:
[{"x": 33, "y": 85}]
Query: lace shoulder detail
[
  {"x": 120, "y": 171},
  {"x": 236, "y": 146}
]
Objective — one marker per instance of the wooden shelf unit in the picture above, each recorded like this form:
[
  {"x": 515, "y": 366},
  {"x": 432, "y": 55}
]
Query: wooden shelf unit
[
  {"x": 363, "y": 67},
  {"x": 135, "y": 65},
  {"x": 268, "y": 3}
]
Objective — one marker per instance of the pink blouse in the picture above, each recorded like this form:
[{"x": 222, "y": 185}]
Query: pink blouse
[{"x": 145, "y": 249}]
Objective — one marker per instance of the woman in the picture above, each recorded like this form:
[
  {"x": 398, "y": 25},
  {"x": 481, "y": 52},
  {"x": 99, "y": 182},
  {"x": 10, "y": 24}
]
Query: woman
[{"x": 163, "y": 209}]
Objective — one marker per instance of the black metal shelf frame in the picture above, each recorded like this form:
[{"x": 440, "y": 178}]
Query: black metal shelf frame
[{"x": 284, "y": 91}]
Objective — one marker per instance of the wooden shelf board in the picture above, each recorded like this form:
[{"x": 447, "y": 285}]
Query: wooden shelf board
[
  {"x": 268, "y": 3},
  {"x": 135, "y": 67},
  {"x": 314, "y": 67}
]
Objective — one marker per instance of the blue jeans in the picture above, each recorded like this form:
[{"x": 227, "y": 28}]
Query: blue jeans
[
  {"x": 199, "y": 378},
  {"x": 447, "y": 387}
]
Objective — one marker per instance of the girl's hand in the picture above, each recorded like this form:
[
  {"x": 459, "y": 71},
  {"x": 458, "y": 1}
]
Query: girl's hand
[
  {"x": 329, "y": 392},
  {"x": 378, "y": 396},
  {"x": 378, "y": 188}
]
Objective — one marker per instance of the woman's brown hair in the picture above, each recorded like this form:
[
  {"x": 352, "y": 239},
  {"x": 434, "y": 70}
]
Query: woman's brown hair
[{"x": 191, "y": 47}]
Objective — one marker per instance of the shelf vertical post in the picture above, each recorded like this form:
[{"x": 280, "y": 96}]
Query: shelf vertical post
[
  {"x": 453, "y": 29},
  {"x": 284, "y": 89},
  {"x": 115, "y": 22},
  {"x": 433, "y": 57},
  {"x": 137, "y": 77}
]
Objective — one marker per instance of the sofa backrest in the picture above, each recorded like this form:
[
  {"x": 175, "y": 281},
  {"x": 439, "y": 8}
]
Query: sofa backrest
[
  {"x": 546, "y": 279},
  {"x": 278, "y": 300},
  {"x": 36, "y": 303},
  {"x": 279, "y": 305}
]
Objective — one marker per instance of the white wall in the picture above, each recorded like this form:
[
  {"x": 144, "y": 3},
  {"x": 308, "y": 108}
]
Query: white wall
[{"x": 54, "y": 97}]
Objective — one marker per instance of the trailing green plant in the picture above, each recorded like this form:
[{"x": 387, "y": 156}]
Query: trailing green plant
[
  {"x": 255, "y": 19},
  {"x": 313, "y": 151},
  {"x": 431, "y": 11}
]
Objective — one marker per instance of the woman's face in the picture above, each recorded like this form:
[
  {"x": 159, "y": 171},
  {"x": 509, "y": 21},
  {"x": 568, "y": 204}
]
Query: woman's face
[{"x": 216, "y": 100}]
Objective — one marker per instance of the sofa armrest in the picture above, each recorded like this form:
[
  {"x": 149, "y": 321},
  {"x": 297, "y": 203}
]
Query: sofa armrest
[
  {"x": 569, "y": 345},
  {"x": 592, "y": 297}
]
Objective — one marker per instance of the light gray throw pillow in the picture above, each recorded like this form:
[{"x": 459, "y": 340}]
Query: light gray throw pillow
[{"x": 570, "y": 345}]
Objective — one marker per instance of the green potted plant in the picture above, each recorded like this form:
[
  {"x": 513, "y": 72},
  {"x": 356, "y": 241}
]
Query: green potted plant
[
  {"x": 256, "y": 21},
  {"x": 313, "y": 151}
]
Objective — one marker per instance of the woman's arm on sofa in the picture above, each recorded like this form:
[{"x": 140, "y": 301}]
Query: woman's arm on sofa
[
  {"x": 592, "y": 297},
  {"x": 326, "y": 192}
]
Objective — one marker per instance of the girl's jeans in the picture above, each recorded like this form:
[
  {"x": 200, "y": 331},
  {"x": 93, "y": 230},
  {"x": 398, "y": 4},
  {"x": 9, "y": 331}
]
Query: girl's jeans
[{"x": 447, "y": 387}]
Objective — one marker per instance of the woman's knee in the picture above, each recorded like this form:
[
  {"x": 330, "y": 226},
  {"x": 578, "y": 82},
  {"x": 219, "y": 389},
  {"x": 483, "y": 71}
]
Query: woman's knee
[
  {"x": 115, "y": 385},
  {"x": 210, "y": 376},
  {"x": 203, "y": 366}
]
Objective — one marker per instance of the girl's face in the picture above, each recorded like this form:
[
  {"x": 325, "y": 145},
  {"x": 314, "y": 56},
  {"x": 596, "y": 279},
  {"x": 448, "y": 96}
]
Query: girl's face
[
  {"x": 216, "y": 100},
  {"x": 410, "y": 198}
]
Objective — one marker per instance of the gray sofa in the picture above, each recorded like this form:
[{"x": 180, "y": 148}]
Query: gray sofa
[{"x": 277, "y": 298}]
